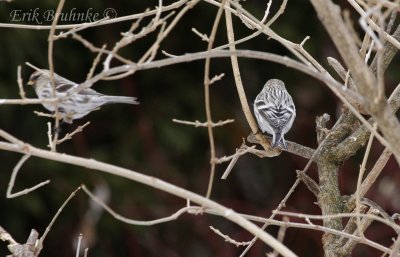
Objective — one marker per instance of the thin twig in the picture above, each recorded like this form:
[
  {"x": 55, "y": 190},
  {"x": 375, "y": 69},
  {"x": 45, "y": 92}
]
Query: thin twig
[
  {"x": 227, "y": 238},
  {"x": 395, "y": 248},
  {"x": 204, "y": 124},
  {"x": 360, "y": 177},
  {"x": 78, "y": 28},
  {"x": 373, "y": 25},
  {"x": 278, "y": 13},
  {"x": 266, "y": 12},
  {"x": 41, "y": 240},
  {"x": 216, "y": 78},
  {"x": 203, "y": 37},
  {"x": 207, "y": 98},
  {"x": 95, "y": 49},
  {"x": 20, "y": 83},
  {"x": 78, "y": 247},
  {"x": 234, "y": 158},
  {"x": 95, "y": 62},
  {"x": 51, "y": 144},
  {"x": 11, "y": 183},
  {"x": 389, "y": 223},
  {"x": 280, "y": 237},
  {"x": 129, "y": 221},
  {"x": 68, "y": 136},
  {"x": 371, "y": 178}
]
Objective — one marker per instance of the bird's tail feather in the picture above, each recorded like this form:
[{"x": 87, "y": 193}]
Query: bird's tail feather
[
  {"x": 275, "y": 140},
  {"x": 278, "y": 140},
  {"x": 283, "y": 144},
  {"x": 121, "y": 99}
]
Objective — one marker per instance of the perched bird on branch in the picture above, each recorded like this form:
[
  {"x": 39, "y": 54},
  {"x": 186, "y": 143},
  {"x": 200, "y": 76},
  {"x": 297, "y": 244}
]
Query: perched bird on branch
[
  {"x": 73, "y": 103},
  {"x": 275, "y": 111}
]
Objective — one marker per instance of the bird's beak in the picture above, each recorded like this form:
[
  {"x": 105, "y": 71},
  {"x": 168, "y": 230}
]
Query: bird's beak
[{"x": 30, "y": 83}]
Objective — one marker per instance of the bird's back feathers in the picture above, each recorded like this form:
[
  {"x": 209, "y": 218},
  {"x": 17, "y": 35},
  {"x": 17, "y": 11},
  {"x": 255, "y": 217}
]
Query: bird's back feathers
[{"x": 275, "y": 111}]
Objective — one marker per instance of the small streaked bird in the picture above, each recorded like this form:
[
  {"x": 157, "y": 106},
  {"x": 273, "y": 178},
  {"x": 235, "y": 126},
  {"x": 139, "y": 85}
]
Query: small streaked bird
[
  {"x": 275, "y": 111},
  {"x": 73, "y": 104}
]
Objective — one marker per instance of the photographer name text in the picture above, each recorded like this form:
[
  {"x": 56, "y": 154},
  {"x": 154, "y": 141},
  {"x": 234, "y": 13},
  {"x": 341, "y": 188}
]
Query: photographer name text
[{"x": 39, "y": 16}]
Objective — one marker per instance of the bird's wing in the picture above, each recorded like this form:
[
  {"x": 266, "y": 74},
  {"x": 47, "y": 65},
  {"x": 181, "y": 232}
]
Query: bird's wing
[
  {"x": 66, "y": 86},
  {"x": 278, "y": 117},
  {"x": 63, "y": 85},
  {"x": 89, "y": 92}
]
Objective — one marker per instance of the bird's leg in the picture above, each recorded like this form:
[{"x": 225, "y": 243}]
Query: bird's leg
[
  {"x": 57, "y": 128},
  {"x": 57, "y": 125}
]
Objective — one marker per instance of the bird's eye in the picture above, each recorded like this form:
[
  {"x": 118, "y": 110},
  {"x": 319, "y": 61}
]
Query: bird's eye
[{"x": 35, "y": 76}]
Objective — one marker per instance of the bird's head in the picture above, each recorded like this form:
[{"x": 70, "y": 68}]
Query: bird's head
[
  {"x": 39, "y": 77},
  {"x": 275, "y": 83}
]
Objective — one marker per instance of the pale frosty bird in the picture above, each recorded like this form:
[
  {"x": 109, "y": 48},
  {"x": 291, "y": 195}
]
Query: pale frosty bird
[
  {"x": 73, "y": 104},
  {"x": 275, "y": 111}
]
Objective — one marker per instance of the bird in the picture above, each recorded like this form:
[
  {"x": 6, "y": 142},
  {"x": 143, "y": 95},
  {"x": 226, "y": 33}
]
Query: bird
[
  {"x": 73, "y": 103},
  {"x": 275, "y": 111}
]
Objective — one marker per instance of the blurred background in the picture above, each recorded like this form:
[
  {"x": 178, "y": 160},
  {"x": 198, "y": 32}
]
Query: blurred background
[{"x": 144, "y": 138}]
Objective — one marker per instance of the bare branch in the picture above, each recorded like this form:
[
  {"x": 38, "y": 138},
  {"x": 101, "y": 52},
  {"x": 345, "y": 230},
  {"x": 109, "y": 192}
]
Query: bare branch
[
  {"x": 207, "y": 98},
  {"x": 203, "y": 124},
  {"x": 360, "y": 177},
  {"x": 68, "y": 136},
  {"x": 203, "y": 37},
  {"x": 227, "y": 238},
  {"x": 281, "y": 236},
  {"x": 371, "y": 178},
  {"x": 11, "y": 183},
  {"x": 234, "y": 158},
  {"x": 41, "y": 240},
  {"x": 19, "y": 81},
  {"x": 293, "y": 147},
  {"x": 150, "y": 181}
]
